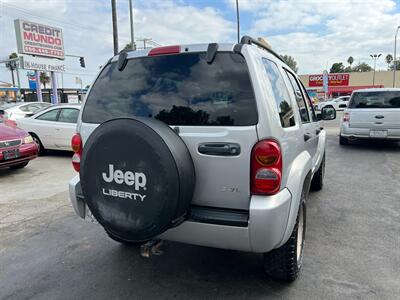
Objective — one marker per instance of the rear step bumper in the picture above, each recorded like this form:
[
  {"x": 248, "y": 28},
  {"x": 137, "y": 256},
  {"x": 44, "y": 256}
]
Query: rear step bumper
[{"x": 260, "y": 229}]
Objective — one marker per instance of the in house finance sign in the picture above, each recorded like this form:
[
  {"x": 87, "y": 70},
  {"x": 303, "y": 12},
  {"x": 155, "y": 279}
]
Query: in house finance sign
[{"x": 39, "y": 39}]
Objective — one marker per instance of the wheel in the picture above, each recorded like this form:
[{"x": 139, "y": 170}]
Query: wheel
[
  {"x": 343, "y": 140},
  {"x": 41, "y": 149},
  {"x": 318, "y": 180},
  {"x": 20, "y": 166},
  {"x": 285, "y": 262},
  {"x": 126, "y": 243}
]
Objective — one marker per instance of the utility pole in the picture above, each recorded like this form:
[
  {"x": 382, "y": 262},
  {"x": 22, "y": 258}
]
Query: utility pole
[
  {"x": 394, "y": 57},
  {"x": 131, "y": 20},
  {"x": 237, "y": 21},
  {"x": 114, "y": 25}
]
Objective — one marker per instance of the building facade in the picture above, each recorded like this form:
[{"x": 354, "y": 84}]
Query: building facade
[{"x": 341, "y": 84}]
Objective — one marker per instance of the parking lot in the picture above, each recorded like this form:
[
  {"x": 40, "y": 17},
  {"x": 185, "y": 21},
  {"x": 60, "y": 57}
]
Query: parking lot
[{"x": 352, "y": 243}]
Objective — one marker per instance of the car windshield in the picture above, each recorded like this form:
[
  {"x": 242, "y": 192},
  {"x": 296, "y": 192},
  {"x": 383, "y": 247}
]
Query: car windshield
[
  {"x": 377, "y": 99},
  {"x": 177, "y": 89}
]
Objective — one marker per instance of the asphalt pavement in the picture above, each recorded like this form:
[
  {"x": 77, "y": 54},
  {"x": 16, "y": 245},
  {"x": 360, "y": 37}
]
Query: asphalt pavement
[{"x": 352, "y": 248}]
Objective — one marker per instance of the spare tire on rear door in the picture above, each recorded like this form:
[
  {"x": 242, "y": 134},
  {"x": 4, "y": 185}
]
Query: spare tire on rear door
[{"x": 137, "y": 177}]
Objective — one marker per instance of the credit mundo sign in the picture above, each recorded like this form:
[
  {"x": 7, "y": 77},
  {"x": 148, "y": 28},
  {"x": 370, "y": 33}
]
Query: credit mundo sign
[
  {"x": 39, "y": 39},
  {"x": 336, "y": 79}
]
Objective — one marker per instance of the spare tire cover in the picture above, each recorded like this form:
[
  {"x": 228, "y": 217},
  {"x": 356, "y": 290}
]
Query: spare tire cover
[{"x": 137, "y": 177}]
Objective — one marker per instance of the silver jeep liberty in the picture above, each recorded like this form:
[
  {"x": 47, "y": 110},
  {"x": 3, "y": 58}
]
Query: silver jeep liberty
[{"x": 213, "y": 144}]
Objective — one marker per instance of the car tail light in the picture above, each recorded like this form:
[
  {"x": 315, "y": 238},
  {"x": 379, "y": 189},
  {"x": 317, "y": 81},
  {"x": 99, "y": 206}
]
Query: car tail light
[
  {"x": 76, "y": 144},
  {"x": 165, "y": 50},
  {"x": 346, "y": 117},
  {"x": 266, "y": 168}
]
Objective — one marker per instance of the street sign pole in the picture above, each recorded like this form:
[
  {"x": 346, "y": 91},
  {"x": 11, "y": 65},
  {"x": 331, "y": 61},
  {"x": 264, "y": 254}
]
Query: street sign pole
[
  {"x": 54, "y": 99},
  {"x": 38, "y": 87}
]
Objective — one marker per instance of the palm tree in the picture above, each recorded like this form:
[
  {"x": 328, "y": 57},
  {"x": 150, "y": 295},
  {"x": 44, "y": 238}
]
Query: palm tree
[
  {"x": 389, "y": 59},
  {"x": 350, "y": 60},
  {"x": 11, "y": 65},
  {"x": 44, "y": 79}
]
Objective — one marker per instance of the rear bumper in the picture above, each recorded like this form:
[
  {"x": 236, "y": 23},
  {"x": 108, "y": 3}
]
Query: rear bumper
[
  {"x": 267, "y": 221},
  {"x": 27, "y": 152},
  {"x": 363, "y": 133}
]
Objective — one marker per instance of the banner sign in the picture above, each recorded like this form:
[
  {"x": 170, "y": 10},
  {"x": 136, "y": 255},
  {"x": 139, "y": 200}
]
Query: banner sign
[
  {"x": 337, "y": 79},
  {"x": 41, "y": 64},
  {"x": 38, "y": 39},
  {"x": 32, "y": 80}
]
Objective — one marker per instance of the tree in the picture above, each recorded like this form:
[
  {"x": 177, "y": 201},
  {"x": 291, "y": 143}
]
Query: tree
[
  {"x": 290, "y": 62},
  {"x": 128, "y": 46},
  {"x": 389, "y": 59},
  {"x": 397, "y": 65},
  {"x": 44, "y": 78},
  {"x": 362, "y": 67},
  {"x": 337, "y": 68},
  {"x": 11, "y": 65},
  {"x": 350, "y": 60}
]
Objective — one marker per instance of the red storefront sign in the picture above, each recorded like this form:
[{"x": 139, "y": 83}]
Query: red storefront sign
[{"x": 337, "y": 79}]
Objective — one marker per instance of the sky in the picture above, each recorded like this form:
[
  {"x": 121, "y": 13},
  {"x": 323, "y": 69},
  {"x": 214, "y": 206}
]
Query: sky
[{"x": 316, "y": 33}]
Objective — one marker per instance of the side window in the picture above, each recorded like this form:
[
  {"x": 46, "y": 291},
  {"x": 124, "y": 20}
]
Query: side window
[
  {"x": 49, "y": 116},
  {"x": 281, "y": 94},
  {"x": 68, "y": 115},
  {"x": 310, "y": 103},
  {"x": 299, "y": 98}
]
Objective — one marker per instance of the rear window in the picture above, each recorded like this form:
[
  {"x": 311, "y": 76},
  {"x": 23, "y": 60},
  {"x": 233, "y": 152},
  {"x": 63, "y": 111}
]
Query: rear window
[
  {"x": 176, "y": 89},
  {"x": 384, "y": 99}
]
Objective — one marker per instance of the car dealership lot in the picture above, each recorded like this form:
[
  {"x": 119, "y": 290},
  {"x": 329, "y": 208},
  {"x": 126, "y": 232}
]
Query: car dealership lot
[{"x": 352, "y": 243}]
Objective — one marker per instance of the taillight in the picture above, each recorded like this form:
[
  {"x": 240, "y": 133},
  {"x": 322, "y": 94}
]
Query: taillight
[
  {"x": 266, "y": 168},
  {"x": 346, "y": 117},
  {"x": 76, "y": 144},
  {"x": 164, "y": 50}
]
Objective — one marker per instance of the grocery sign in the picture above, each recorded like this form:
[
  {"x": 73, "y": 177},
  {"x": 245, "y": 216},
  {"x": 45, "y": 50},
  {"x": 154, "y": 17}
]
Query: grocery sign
[
  {"x": 39, "y": 39},
  {"x": 337, "y": 79}
]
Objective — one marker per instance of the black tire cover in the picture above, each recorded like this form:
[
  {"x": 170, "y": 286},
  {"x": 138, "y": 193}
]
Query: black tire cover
[{"x": 152, "y": 181}]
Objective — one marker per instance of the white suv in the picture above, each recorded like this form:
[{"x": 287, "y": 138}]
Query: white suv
[
  {"x": 372, "y": 113},
  {"x": 213, "y": 144}
]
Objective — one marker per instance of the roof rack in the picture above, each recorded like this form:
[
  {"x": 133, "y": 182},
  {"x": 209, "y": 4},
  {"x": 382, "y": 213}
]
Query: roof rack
[{"x": 249, "y": 40}]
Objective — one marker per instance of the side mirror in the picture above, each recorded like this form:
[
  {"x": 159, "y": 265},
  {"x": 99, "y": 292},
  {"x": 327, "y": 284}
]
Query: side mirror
[
  {"x": 328, "y": 113},
  {"x": 342, "y": 105}
]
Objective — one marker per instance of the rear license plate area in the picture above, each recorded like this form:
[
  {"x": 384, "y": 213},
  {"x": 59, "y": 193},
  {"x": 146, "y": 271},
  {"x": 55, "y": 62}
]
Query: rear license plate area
[
  {"x": 378, "y": 133},
  {"x": 10, "y": 154}
]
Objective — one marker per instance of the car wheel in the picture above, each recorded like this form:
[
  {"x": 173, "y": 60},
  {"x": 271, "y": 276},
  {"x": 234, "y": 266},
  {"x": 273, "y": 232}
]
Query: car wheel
[
  {"x": 41, "y": 149},
  {"x": 343, "y": 140},
  {"x": 318, "y": 179},
  {"x": 19, "y": 166},
  {"x": 285, "y": 262}
]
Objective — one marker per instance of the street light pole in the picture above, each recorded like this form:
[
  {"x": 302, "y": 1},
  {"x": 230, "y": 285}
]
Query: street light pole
[
  {"x": 394, "y": 57},
  {"x": 237, "y": 20},
  {"x": 114, "y": 25},
  {"x": 131, "y": 20},
  {"x": 375, "y": 58}
]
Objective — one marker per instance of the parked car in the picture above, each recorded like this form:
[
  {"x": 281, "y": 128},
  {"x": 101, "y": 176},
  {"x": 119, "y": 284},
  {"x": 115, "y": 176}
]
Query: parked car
[
  {"x": 199, "y": 144},
  {"x": 339, "y": 103},
  {"x": 14, "y": 111},
  {"x": 372, "y": 113},
  {"x": 53, "y": 127},
  {"x": 17, "y": 147}
]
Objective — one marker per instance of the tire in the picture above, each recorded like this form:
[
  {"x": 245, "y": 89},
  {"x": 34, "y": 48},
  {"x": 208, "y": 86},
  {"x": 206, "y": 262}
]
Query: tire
[
  {"x": 19, "y": 166},
  {"x": 137, "y": 178},
  {"x": 41, "y": 149},
  {"x": 123, "y": 242},
  {"x": 343, "y": 140},
  {"x": 284, "y": 263},
  {"x": 318, "y": 180}
]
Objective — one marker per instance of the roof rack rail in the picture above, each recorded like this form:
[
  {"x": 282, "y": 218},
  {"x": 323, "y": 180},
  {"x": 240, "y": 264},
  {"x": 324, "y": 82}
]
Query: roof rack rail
[{"x": 249, "y": 40}]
